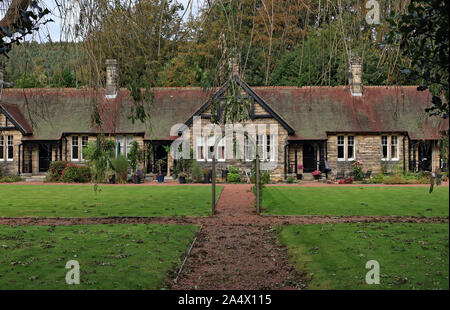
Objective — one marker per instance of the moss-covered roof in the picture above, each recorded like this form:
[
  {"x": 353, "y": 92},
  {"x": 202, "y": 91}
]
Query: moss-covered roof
[{"x": 311, "y": 111}]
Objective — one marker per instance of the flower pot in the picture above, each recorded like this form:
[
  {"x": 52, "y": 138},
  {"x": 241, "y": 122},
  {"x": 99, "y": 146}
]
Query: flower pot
[
  {"x": 182, "y": 180},
  {"x": 299, "y": 176},
  {"x": 112, "y": 179},
  {"x": 160, "y": 178}
]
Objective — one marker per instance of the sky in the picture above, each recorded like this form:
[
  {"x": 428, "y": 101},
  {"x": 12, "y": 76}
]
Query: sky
[{"x": 53, "y": 29}]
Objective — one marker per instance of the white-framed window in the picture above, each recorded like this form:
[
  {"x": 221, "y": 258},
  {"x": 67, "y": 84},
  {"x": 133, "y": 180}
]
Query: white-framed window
[
  {"x": 200, "y": 148},
  {"x": 2, "y": 148},
  {"x": 74, "y": 154},
  {"x": 120, "y": 146},
  {"x": 265, "y": 146},
  {"x": 394, "y": 148},
  {"x": 350, "y": 147},
  {"x": 84, "y": 144},
  {"x": 341, "y": 147},
  {"x": 209, "y": 147}
]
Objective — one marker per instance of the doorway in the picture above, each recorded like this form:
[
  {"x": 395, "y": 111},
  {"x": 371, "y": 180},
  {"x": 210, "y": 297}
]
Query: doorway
[
  {"x": 309, "y": 158},
  {"x": 45, "y": 157}
]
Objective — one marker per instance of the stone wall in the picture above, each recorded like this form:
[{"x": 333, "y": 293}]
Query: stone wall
[
  {"x": 367, "y": 149},
  {"x": 11, "y": 167}
]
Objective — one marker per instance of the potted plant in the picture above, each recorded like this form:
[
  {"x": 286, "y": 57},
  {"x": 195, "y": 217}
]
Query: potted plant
[
  {"x": 206, "y": 175},
  {"x": 317, "y": 174},
  {"x": 182, "y": 177},
  {"x": 299, "y": 171},
  {"x": 159, "y": 164}
]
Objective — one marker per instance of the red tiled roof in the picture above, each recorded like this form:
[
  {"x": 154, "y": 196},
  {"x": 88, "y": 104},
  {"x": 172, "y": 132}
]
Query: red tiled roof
[{"x": 311, "y": 111}]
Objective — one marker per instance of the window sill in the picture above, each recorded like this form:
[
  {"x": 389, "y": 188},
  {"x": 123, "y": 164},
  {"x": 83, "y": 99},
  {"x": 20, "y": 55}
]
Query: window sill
[{"x": 341, "y": 159}]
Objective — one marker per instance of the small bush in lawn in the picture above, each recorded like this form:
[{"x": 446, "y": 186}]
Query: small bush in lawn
[{"x": 55, "y": 171}]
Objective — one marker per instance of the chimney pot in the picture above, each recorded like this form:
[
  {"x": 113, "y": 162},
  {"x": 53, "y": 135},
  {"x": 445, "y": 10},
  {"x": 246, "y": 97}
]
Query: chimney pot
[{"x": 112, "y": 78}]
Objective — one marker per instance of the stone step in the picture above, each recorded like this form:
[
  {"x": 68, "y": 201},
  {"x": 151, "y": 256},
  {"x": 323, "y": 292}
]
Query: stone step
[{"x": 35, "y": 178}]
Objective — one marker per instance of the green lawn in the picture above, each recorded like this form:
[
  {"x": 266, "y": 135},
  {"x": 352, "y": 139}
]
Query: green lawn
[
  {"x": 364, "y": 200},
  {"x": 110, "y": 256},
  {"x": 82, "y": 201},
  {"x": 334, "y": 256}
]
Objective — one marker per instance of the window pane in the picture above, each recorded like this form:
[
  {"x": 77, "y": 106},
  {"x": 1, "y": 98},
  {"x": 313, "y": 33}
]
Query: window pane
[
  {"x": 351, "y": 147},
  {"x": 10, "y": 148},
  {"x": 350, "y": 151},
  {"x": 340, "y": 151},
  {"x": 75, "y": 147},
  {"x": 340, "y": 140},
  {"x": 2, "y": 147},
  {"x": 384, "y": 146},
  {"x": 394, "y": 147}
]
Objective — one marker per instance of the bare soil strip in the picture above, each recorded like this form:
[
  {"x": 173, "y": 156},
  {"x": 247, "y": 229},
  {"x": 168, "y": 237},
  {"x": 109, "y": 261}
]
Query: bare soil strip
[{"x": 236, "y": 248}]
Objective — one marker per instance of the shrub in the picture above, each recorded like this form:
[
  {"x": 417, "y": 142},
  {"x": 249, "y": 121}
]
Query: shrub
[
  {"x": 76, "y": 174},
  {"x": 357, "y": 170},
  {"x": 55, "y": 171},
  {"x": 395, "y": 179},
  {"x": 377, "y": 179},
  {"x": 265, "y": 177},
  {"x": 232, "y": 169},
  {"x": 233, "y": 177},
  {"x": 290, "y": 180},
  {"x": 10, "y": 179},
  {"x": 120, "y": 166},
  {"x": 196, "y": 172}
]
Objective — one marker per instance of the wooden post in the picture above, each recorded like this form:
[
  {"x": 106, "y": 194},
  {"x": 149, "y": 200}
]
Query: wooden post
[
  {"x": 257, "y": 182},
  {"x": 213, "y": 182}
]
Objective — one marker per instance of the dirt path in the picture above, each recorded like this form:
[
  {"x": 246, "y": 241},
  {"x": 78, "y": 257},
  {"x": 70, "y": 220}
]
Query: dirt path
[{"x": 233, "y": 255}]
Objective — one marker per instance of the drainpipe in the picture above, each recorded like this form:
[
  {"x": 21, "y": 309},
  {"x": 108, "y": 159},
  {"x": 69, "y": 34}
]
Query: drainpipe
[
  {"x": 18, "y": 168},
  {"x": 285, "y": 159},
  {"x": 404, "y": 159}
]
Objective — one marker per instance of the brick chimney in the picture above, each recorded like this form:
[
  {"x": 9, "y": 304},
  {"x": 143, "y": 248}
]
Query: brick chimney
[
  {"x": 112, "y": 78},
  {"x": 355, "y": 76}
]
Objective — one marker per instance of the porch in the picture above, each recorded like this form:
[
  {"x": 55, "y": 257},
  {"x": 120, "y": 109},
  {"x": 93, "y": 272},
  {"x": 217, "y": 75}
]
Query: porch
[
  {"x": 36, "y": 156},
  {"x": 309, "y": 154}
]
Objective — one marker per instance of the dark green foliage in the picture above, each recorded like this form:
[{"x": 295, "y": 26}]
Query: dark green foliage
[
  {"x": 99, "y": 154},
  {"x": 76, "y": 174},
  {"x": 120, "y": 166},
  {"x": 233, "y": 175},
  {"x": 55, "y": 171},
  {"x": 422, "y": 34},
  {"x": 10, "y": 179}
]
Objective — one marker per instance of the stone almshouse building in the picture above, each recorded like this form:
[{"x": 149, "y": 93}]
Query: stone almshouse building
[{"x": 385, "y": 127}]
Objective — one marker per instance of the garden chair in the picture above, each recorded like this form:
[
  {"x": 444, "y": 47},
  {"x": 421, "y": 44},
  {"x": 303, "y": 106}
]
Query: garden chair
[
  {"x": 367, "y": 175},
  {"x": 247, "y": 174}
]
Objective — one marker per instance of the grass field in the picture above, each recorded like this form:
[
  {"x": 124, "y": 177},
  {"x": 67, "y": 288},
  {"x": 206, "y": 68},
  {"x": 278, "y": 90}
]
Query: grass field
[
  {"x": 333, "y": 256},
  {"x": 110, "y": 256},
  {"x": 364, "y": 200},
  {"x": 83, "y": 201}
]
